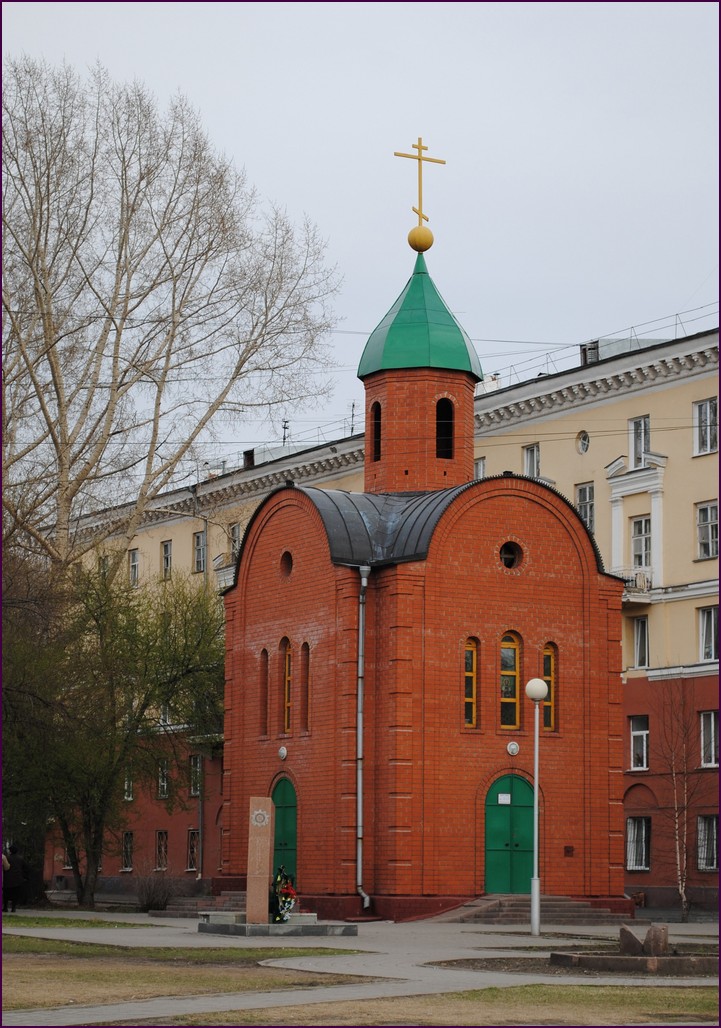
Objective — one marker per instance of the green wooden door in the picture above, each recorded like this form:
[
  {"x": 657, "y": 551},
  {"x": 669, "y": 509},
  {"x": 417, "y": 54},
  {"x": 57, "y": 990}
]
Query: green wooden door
[
  {"x": 286, "y": 821},
  {"x": 509, "y": 835}
]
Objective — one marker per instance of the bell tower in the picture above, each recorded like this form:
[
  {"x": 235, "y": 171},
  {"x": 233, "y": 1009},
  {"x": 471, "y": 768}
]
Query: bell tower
[{"x": 419, "y": 369}]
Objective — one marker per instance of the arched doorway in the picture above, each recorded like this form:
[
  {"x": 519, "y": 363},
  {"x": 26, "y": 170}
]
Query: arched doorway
[
  {"x": 286, "y": 827},
  {"x": 509, "y": 835}
]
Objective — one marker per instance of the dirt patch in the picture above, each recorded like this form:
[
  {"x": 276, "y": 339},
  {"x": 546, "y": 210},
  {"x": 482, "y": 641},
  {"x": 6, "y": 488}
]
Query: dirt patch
[{"x": 542, "y": 965}]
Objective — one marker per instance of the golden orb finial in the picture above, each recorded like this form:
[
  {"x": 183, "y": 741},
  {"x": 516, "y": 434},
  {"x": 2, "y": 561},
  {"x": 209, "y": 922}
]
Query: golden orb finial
[{"x": 420, "y": 238}]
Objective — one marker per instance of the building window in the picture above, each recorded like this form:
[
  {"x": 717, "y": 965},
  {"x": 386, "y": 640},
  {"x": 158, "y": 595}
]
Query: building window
[
  {"x": 510, "y": 647},
  {"x": 126, "y": 858},
  {"x": 234, "y": 533},
  {"x": 161, "y": 851},
  {"x": 550, "y": 662},
  {"x": 196, "y": 773},
  {"x": 707, "y": 529},
  {"x": 708, "y": 633},
  {"x": 162, "y": 779},
  {"x": 638, "y": 843},
  {"x": 709, "y": 738},
  {"x": 639, "y": 742},
  {"x": 641, "y": 542},
  {"x": 287, "y": 670},
  {"x": 470, "y": 679},
  {"x": 133, "y": 567},
  {"x": 532, "y": 460},
  {"x": 305, "y": 688},
  {"x": 193, "y": 849},
  {"x": 705, "y": 426},
  {"x": 128, "y": 786},
  {"x": 444, "y": 429},
  {"x": 584, "y": 504},
  {"x": 708, "y": 842},
  {"x": 164, "y": 716},
  {"x": 263, "y": 694},
  {"x": 376, "y": 431},
  {"x": 639, "y": 440},
  {"x": 640, "y": 642},
  {"x": 198, "y": 551},
  {"x": 479, "y": 467},
  {"x": 166, "y": 556}
]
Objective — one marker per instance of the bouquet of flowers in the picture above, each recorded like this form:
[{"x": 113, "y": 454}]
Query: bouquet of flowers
[{"x": 284, "y": 895}]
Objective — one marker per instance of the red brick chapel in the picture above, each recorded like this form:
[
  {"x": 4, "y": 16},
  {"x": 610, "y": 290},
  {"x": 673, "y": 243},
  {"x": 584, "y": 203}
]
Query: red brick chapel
[{"x": 378, "y": 645}]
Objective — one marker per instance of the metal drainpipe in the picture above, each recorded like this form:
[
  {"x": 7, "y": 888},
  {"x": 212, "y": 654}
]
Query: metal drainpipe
[
  {"x": 364, "y": 573},
  {"x": 201, "y": 826}
]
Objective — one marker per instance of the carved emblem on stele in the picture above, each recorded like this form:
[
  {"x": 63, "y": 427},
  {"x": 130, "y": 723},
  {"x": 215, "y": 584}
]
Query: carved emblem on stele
[{"x": 260, "y": 818}]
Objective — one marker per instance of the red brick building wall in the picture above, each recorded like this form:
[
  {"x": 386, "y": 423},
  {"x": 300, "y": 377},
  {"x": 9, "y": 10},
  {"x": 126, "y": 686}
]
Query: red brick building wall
[
  {"x": 673, "y": 708},
  {"x": 426, "y": 774}
]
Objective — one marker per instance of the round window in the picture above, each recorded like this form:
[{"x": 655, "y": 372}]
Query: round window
[
  {"x": 582, "y": 442},
  {"x": 511, "y": 555}
]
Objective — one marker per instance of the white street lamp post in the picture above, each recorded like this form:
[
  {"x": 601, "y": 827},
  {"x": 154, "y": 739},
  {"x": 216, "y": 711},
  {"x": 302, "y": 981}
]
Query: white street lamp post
[{"x": 536, "y": 690}]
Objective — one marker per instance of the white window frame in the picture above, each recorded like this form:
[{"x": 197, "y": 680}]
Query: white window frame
[
  {"x": 163, "y": 779},
  {"x": 195, "y": 774},
  {"x": 166, "y": 558},
  {"x": 127, "y": 852},
  {"x": 640, "y": 642},
  {"x": 708, "y": 730},
  {"x": 161, "y": 849},
  {"x": 708, "y": 633},
  {"x": 641, "y": 541},
  {"x": 479, "y": 468},
  {"x": 707, "y": 842},
  {"x": 707, "y": 529},
  {"x": 234, "y": 533},
  {"x": 532, "y": 460},
  {"x": 585, "y": 504},
  {"x": 638, "y": 843},
  {"x": 193, "y": 849},
  {"x": 639, "y": 440},
  {"x": 705, "y": 426},
  {"x": 128, "y": 786},
  {"x": 134, "y": 567},
  {"x": 199, "y": 552},
  {"x": 638, "y": 725}
]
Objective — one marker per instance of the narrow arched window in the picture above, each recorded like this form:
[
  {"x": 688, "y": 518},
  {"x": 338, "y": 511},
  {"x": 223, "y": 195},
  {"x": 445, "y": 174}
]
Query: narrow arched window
[
  {"x": 510, "y": 677},
  {"x": 376, "y": 431},
  {"x": 444, "y": 429},
  {"x": 305, "y": 687},
  {"x": 470, "y": 684},
  {"x": 550, "y": 671},
  {"x": 287, "y": 681},
  {"x": 263, "y": 693}
]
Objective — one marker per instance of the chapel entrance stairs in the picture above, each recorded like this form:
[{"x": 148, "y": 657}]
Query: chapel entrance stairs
[
  {"x": 191, "y": 906},
  {"x": 516, "y": 909}
]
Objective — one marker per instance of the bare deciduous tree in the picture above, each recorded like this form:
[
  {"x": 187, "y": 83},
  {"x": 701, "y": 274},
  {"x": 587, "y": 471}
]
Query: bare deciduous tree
[{"x": 145, "y": 294}]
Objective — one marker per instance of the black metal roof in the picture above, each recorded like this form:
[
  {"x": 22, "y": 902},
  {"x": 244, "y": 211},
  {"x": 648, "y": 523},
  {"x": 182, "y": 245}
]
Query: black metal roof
[{"x": 383, "y": 528}]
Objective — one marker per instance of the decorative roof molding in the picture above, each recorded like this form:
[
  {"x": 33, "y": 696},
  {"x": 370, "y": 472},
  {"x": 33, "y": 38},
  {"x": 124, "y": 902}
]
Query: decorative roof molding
[{"x": 624, "y": 373}]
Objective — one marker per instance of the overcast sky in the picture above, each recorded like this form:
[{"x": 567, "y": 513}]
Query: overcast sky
[{"x": 580, "y": 193}]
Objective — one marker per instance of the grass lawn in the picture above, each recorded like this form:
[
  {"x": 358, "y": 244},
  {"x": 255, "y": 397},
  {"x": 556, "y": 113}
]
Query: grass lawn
[{"x": 84, "y": 973}]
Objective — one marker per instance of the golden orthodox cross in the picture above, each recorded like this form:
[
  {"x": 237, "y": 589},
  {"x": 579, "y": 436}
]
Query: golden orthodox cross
[{"x": 420, "y": 158}]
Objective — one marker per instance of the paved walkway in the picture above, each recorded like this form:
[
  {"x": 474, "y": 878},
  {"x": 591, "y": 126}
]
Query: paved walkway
[{"x": 398, "y": 955}]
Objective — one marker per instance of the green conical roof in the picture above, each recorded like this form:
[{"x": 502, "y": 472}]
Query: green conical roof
[{"x": 419, "y": 332}]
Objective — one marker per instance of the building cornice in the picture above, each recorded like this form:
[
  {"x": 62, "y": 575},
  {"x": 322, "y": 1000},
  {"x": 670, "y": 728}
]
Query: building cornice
[{"x": 593, "y": 383}]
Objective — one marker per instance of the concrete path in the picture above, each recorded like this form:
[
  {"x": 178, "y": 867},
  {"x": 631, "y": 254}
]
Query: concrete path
[{"x": 399, "y": 956}]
